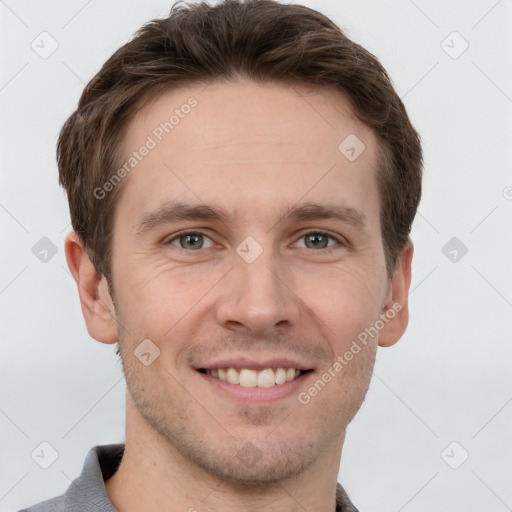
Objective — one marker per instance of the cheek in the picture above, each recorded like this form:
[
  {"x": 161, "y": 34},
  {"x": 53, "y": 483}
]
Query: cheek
[
  {"x": 345, "y": 300},
  {"x": 155, "y": 298}
]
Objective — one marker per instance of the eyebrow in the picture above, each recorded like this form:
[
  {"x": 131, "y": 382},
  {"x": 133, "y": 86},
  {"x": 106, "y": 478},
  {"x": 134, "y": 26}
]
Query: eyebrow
[{"x": 179, "y": 210}]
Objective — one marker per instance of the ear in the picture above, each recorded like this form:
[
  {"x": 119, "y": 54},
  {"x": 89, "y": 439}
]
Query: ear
[
  {"x": 97, "y": 305},
  {"x": 395, "y": 312}
]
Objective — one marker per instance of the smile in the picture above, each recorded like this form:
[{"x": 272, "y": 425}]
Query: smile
[{"x": 252, "y": 378}]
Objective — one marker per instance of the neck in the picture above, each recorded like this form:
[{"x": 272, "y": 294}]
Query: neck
[{"x": 152, "y": 475}]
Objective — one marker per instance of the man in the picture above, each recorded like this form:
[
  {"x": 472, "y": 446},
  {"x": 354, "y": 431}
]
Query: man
[{"x": 242, "y": 181}]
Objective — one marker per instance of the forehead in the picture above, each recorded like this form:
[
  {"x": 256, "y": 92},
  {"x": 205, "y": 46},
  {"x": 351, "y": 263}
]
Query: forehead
[{"x": 250, "y": 147}]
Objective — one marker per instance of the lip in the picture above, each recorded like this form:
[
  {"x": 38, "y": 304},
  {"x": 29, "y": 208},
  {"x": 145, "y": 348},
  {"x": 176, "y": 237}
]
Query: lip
[
  {"x": 255, "y": 395},
  {"x": 253, "y": 364}
]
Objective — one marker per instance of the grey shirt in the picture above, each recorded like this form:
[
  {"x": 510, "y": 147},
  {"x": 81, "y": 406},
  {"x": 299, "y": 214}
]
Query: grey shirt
[{"x": 87, "y": 492}]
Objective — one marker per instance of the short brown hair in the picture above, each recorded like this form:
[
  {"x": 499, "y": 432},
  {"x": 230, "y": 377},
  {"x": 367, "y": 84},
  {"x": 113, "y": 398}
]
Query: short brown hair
[{"x": 261, "y": 40}]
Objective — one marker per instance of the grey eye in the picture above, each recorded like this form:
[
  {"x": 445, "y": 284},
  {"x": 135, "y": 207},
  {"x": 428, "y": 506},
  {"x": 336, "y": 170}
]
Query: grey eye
[
  {"x": 318, "y": 240},
  {"x": 191, "y": 240}
]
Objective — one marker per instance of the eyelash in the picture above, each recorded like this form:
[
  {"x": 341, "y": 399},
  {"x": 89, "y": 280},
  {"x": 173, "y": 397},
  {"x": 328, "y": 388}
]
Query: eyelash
[{"x": 338, "y": 240}]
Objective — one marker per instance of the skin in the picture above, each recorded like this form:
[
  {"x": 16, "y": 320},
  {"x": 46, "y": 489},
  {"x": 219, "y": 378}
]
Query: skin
[{"x": 255, "y": 149}]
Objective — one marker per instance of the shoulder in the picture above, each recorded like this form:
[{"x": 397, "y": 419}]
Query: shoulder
[
  {"x": 87, "y": 492},
  {"x": 343, "y": 503}
]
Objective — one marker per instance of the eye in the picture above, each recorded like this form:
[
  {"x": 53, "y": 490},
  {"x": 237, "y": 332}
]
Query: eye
[
  {"x": 194, "y": 240},
  {"x": 319, "y": 240},
  {"x": 190, "y": 240}
]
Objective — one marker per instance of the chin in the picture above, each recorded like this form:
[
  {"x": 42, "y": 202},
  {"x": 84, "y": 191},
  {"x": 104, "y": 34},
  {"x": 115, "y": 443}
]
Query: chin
[{"x": 244, "y": 470}]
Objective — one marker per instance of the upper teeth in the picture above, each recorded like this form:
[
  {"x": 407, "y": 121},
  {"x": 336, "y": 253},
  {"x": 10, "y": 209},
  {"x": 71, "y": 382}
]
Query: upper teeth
[{"x": 252, "y": 378}]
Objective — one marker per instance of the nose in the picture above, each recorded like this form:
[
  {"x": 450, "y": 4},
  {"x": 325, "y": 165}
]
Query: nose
[{"x": 258, "y": 297}]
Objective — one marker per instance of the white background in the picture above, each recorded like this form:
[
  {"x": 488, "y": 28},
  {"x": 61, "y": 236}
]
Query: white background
[{"x": 448, "y": 379}]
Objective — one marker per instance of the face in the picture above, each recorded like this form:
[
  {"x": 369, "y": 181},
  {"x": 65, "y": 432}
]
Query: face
[{"x": 246, "y": 240}]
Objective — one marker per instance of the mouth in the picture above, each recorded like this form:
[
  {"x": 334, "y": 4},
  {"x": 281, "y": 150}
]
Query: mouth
[{"x": 251, "y": 378}]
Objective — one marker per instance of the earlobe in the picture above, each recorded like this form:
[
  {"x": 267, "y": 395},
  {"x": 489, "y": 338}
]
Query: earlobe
[
  {"x": 97, "y": 306},
  {"x": 395, "y": 312}
]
